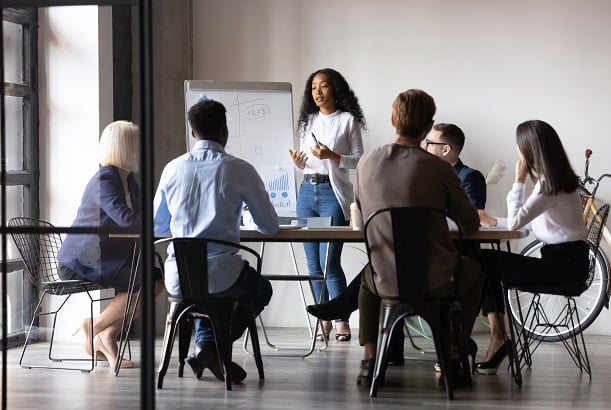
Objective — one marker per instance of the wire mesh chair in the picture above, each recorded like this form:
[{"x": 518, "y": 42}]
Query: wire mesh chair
[
  {"x": 39, "y": 251},
  {"x": 565, "y": 324}
]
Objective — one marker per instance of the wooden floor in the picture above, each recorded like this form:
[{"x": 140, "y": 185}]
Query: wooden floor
[{"x": 325, "y": 380}]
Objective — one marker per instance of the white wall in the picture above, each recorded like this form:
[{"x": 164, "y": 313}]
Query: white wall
[
  {"x": 71, "y": 112},
  {"x": 489, "y": 65},
  {"x": 74, "y": 62}
]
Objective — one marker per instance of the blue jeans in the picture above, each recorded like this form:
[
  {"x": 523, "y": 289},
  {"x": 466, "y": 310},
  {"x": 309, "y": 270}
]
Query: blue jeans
[
  {"x": 250, "y": 282},
  {"x": 319, "y": 200}
]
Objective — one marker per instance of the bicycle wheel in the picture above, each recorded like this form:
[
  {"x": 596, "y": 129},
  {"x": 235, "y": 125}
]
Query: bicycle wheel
[{"x": 589, "y": 303}]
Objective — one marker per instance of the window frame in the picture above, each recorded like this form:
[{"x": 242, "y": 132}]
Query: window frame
[{"x": 28, "y": 176}]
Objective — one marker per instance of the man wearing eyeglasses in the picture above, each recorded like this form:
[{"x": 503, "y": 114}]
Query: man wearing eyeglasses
[{"x": 446, "y": 141}]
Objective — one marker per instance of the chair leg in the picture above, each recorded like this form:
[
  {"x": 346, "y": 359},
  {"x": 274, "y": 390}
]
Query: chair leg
[
  {"x": 535, "y": 315},
  {"x": 514, "y": 358},
  {"x": 389, "y": 317},
  {"x": 256, "y": 348},
  {"x": 440, "y": 326},
  {"x": 220, "y": 318},
  {"x": 37, "y": 315},
  {"x": 50, "y": 354},
  {"x": 578, "y": 353},
  {"x": 538, "y": 320},
  {"x": 185, "y": 330},
  {"x": 27, "y": 338},
  {"x": 456, "y": 324},
  {"x": 168, "y": 342}
]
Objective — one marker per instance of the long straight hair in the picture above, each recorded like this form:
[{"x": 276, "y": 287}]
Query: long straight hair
[{"x": 545, "y": 157}]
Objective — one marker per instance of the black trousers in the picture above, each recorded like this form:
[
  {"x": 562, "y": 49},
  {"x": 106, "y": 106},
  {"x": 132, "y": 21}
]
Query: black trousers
[{"x": 561, "y": 263}]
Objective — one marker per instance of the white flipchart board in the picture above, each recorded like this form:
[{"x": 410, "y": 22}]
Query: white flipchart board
[{"x": 260, "y": 122}]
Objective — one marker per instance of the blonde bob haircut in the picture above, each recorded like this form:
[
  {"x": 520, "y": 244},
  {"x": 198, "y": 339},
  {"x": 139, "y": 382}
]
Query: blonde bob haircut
[
  {"x": 119, "y": 146},
  {"x": 413, "y": 112}
]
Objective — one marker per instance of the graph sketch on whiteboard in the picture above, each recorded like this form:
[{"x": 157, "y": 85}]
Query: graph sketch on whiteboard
[
  {"x": 280, "y": 185},
  {"x": 260, "y": 124}
]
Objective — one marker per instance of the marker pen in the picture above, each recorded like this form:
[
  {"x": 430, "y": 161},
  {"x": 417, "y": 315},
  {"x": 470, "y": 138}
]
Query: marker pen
[{"x": 314, "y": 136}]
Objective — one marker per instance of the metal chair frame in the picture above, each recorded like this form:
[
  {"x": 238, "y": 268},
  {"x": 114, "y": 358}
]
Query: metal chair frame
[
  {"x": 441, "y": 314},
  {"x": 568, "y": 316},
  {"x": 196, "y": 303},
  {"x": 39, "y": 252}
]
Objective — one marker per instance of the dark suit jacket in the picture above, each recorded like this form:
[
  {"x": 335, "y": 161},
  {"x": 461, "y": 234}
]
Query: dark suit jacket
[
  {"x": 97, "y": 257},
  {"x": 473, "y": 182}
]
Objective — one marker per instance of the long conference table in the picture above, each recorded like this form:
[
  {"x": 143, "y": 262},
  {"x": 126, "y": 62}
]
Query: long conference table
[
  {"x": 493, "y": 236},
  {"x": 287, "y": 233},
  {"x": 323, "y": 234},
  {"x": 347, "y": 234}
]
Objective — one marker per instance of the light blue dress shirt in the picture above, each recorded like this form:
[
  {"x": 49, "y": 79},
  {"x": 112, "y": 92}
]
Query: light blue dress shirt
[{"x": 201, "y": 194}]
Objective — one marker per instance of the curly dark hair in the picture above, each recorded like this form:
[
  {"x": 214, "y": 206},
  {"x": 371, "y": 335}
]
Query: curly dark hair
[{"x": 345, "y": 99}]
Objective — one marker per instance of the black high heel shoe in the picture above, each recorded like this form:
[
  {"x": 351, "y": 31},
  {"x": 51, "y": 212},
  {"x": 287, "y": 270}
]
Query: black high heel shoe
[
  {"x": 492, "y": 366},
  {"x": 331, "y": 310}
]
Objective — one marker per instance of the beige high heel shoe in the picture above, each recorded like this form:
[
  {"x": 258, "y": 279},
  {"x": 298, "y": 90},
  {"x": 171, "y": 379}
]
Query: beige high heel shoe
[
  {"x": 342, "y": 332},
  {"x": 85, "y": 327},
  {"x": 100, "y": 349},
  {"x": 323, "y": 330}
]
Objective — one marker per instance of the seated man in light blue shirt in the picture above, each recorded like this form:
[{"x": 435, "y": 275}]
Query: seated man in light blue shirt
[{"x": 201, "y": 194}]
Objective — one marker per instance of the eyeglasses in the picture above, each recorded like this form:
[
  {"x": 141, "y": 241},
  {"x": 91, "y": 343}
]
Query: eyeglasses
[{"x": 429, "y": 142}]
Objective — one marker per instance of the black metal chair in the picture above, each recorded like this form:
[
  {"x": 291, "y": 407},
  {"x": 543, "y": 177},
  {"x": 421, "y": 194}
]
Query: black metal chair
[
  {"x": 39, "y": 251},
  {"x": 564, "y": 324},
  {"x": 405, "y": 229},
  {"x": 191, "y": 259}
]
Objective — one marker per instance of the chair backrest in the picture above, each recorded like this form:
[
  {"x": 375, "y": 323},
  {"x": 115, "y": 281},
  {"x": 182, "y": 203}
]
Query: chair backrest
[
  {"x": 192, "y": 263},
  {"x": 191, "y": 256},
  {"x": 38, "y": 250},
  {"x": 400, "y": 234}
]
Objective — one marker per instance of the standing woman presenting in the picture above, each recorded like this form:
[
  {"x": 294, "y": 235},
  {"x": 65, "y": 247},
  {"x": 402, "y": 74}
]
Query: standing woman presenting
[{"x": 330, "y": 123}]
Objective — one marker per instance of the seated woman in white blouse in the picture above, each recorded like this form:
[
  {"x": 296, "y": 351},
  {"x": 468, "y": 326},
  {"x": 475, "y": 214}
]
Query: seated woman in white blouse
[{"x": 552, "y": 212}]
